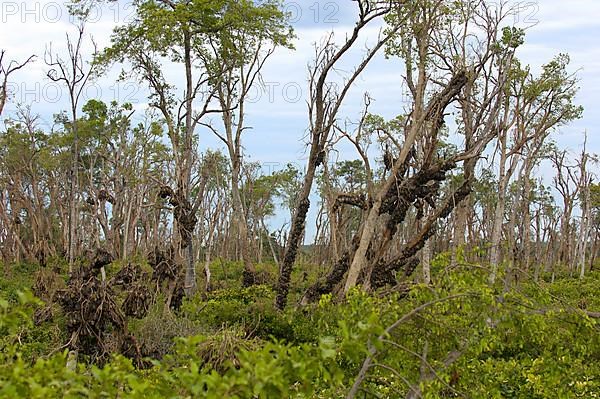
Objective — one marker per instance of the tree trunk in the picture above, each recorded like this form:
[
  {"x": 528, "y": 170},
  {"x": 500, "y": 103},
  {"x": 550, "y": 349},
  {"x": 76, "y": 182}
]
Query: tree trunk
[
  {"x": 296, "y": 234},
  {"x": 426, "y": 262}
]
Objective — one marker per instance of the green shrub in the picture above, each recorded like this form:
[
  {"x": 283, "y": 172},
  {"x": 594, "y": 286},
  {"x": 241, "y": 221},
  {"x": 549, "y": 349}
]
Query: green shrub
[
  {"x": 535, "y": 341},
  {"x": 156, "y": 333},
  {"x": 17, "y": 278}
]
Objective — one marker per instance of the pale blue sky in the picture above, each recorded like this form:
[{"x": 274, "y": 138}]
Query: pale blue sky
[{"x": 279, "y": 116}]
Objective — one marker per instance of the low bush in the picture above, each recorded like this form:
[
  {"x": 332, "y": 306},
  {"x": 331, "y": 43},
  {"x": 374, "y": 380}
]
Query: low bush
[{"x": 457, "y": 339}]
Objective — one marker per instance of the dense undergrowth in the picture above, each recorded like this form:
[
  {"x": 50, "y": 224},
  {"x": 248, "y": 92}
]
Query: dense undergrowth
[{"x": 456, "y": 338}]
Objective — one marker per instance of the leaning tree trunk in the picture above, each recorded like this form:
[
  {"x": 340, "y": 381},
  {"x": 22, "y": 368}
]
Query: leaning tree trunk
[
  {"x": 422, "y": 114},
  {"x": 297, "y": 229},
  {"x": 323, "y": 110}
]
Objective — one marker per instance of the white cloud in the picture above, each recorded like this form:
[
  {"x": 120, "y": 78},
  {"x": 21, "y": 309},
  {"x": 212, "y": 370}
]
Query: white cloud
[{"x": 28, "y": 26}]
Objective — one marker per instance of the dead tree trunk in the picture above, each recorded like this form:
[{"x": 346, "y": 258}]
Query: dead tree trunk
[{"x": 323, "y": 110}]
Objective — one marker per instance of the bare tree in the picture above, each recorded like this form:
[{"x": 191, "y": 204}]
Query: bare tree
[
  {"x": 324, "y": 106},
  {"x": 240, "y": 55},
  {"x": 74, "y": 74},
  {"x": 565, "y": 182},
  {"x": 425, "y": 122},
  {"x": 534, "y": 108},
  {"x": 7, "y": 69},
  {"x": 584, "y": 182}
]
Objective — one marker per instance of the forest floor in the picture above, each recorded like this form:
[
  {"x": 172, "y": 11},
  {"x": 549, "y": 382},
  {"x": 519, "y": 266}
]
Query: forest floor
[{"x": 458, "y": 337}]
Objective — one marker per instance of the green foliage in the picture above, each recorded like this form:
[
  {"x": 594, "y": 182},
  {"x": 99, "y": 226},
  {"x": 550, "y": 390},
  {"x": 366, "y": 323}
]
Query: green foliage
[
  {"x": 250, "y": 309},
  {"x": 533, "y": 342},
  {"x": 512, "y": 37},
  {"x": 219, "y": 351},
  {"x": 17, "y": 277},
  {"x": 157, "y": 332},
  {"x": 213, "y": 35},
  {"x": 15, "y": 317}
]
